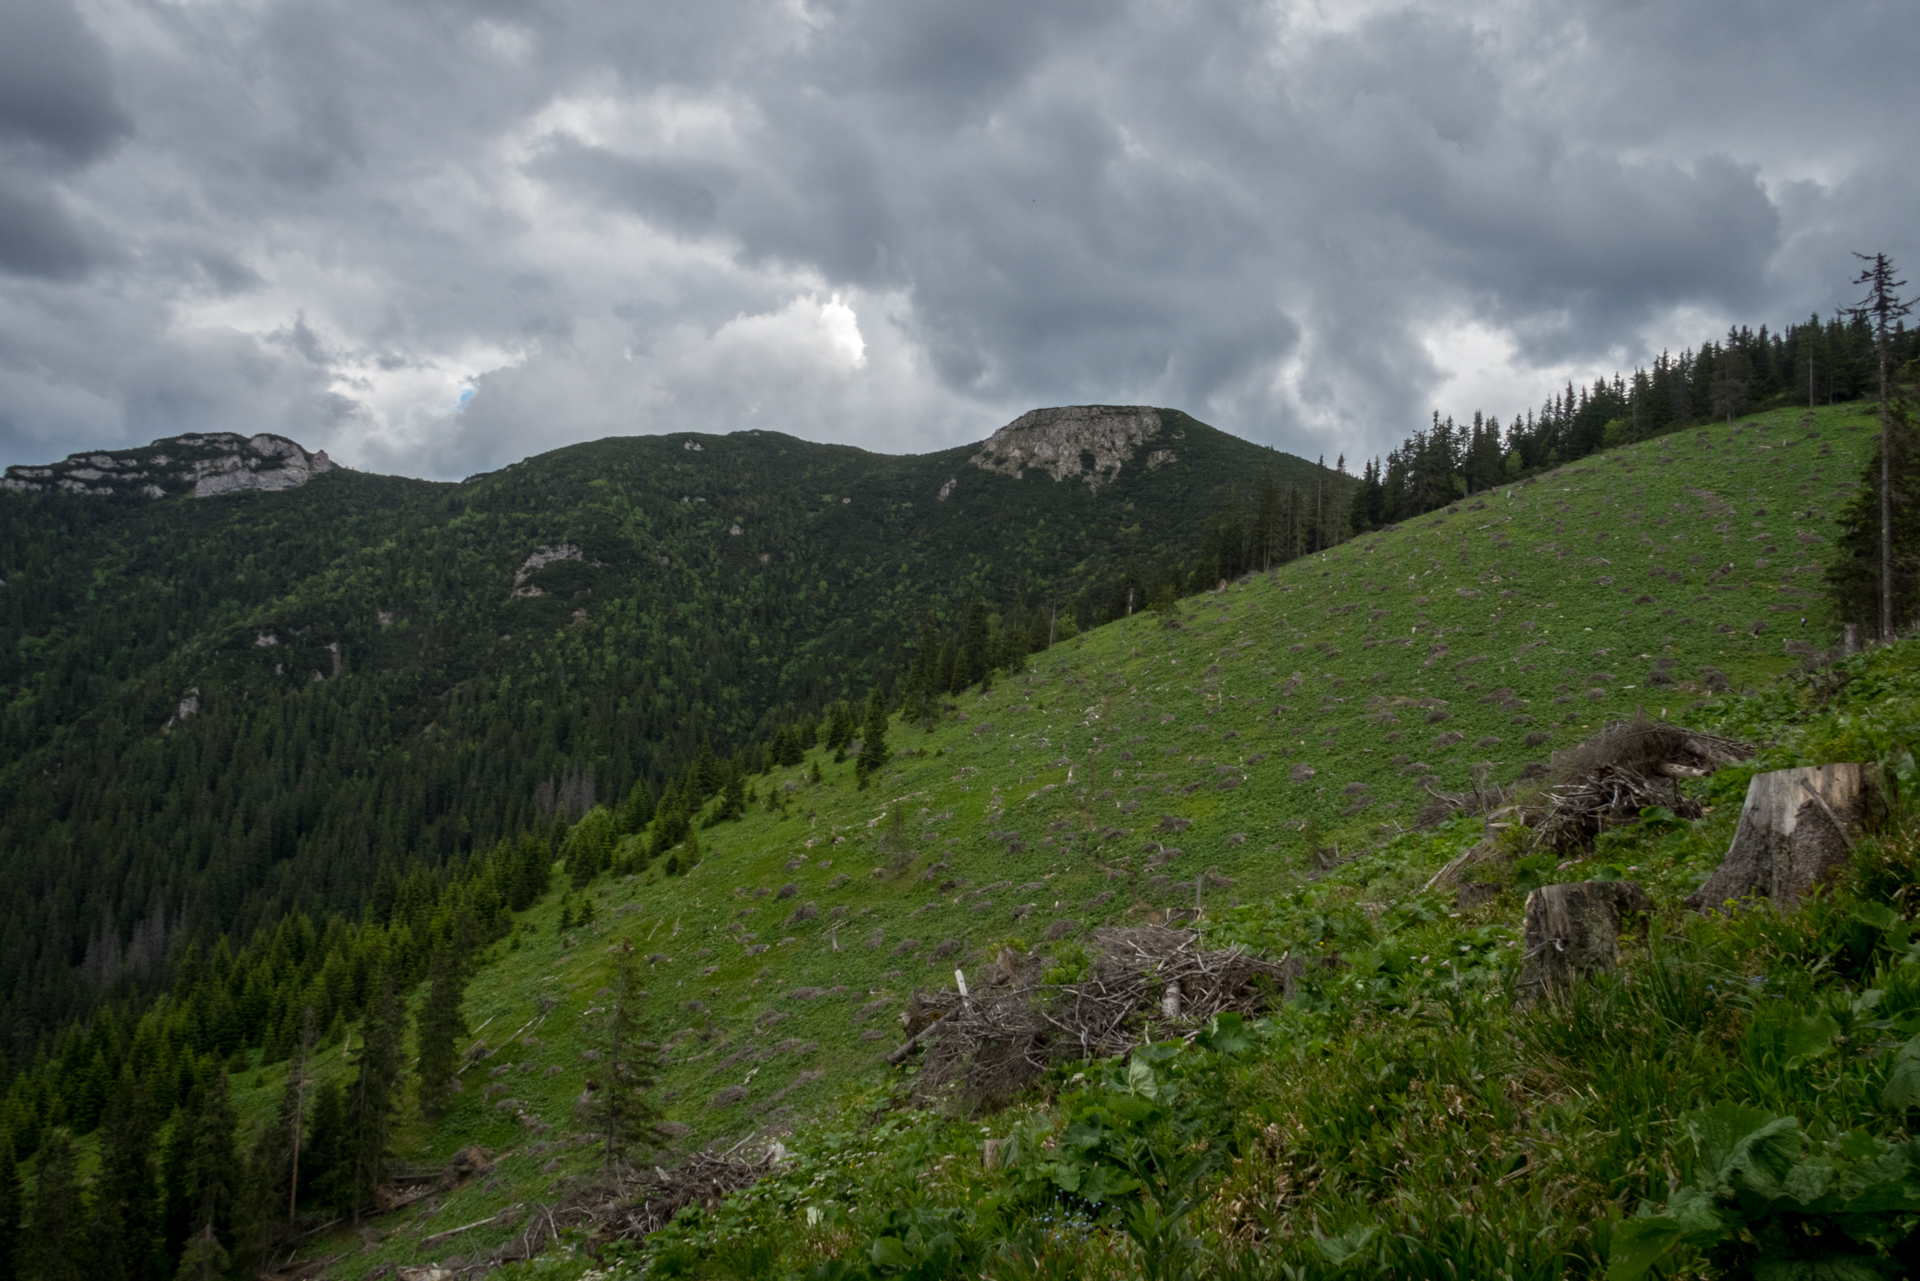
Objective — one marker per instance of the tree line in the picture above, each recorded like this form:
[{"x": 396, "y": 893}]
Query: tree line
[{"x": 1814, "y": 363}]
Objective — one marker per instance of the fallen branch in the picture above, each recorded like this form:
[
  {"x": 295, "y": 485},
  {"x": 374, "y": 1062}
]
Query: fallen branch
[{"x": 505, "y": 1216}]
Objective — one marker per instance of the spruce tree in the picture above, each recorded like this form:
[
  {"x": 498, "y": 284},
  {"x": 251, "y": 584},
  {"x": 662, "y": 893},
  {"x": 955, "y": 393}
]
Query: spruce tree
[
  {"x": 55, "y": 1245},
  {"x": 125, "y": 1228},
  {"x": 670, "y": 823},
  {"x": 177, "y": 1198},
  {"x": 975, "y": 640},
  {"x": 438, "y": 1027},
  {"x": 637, "y": 810},
  {"x": 273, "y": 1166},
  {"x": 376, "y": 1089},
  {"x": 204, "y": 1259},
  {"x": 840, "y": 729},
  {"x": 873, "y": 739},
  {"x": 1884, "y": 304},
  {"x": 532, "y": 866},
  {"x": 214, "y": 1168},
  {"x": 616, "y": 1102},
  {"x": 733, "y": 801},
  {"x": 325, "y": 1157},
  {"x": 12, "y": 1201}
]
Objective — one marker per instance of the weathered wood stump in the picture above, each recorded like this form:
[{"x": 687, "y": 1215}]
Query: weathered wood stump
[
  {"x": 1573, "y": 932},
  {"x": 1796, "y": 832}
]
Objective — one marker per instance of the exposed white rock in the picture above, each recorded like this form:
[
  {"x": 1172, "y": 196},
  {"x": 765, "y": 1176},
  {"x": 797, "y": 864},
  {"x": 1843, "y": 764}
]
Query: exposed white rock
[
  {"x": 1072, "y": 442},
  {"x": 946, "y": 489},
  {"x": 227, "y": 464},
  {"x": 542, "y": 557},
  {"x": 189, "y": 704},
  {"x": 252, "y": 467},
  {"x": 264, "y": 639}
]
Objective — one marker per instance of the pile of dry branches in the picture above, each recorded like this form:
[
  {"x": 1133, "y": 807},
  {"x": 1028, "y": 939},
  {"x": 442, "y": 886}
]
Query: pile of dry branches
[
  {"x": 627, "y": 1207},
  {"x": 1623, "y": 769},
  {"x": 649, "y": 1201},
  {"x": 1147, "y": 983}
]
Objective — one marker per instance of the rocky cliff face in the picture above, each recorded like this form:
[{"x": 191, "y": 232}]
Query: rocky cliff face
[
  {"x": 1073, "y": 442},
  {"x": 205, "y": 464}
]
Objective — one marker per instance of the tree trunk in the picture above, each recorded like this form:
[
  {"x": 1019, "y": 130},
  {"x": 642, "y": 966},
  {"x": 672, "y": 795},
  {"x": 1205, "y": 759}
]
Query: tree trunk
[
  {"x": 1796, "y": 832},
  {"x": 1572, "y": 932},
  {"x": 1886, "y": 497}
]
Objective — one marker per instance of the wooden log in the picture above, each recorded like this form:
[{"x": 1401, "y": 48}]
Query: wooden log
[
  {"x": 1573, "y": 931},
  {"x": 1796, "y": 832}
]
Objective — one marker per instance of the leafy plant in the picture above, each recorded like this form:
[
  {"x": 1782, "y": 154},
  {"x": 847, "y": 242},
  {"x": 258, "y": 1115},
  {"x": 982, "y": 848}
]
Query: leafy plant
[{"x": 1764, "y": 1202}]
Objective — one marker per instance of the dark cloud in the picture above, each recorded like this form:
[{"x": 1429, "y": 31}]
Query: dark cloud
[
  {"x": 38, "y": 235},
  {"x": 900, "y": 224},
  {"x": 56, "y": 84}
]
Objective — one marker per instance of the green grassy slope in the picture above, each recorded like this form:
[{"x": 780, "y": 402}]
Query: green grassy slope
[{"x": 1305, "y": 710}]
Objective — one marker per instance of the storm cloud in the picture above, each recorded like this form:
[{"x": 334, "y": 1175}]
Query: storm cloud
[{"x": 434, "y": 237}]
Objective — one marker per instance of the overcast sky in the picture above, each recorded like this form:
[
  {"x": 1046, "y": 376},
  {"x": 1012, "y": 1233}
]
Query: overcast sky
[{"x": 433, "y": 237}]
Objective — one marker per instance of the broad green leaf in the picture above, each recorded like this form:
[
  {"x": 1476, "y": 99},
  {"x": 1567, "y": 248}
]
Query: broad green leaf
[
  {"x": 1808, "y": 1037},
  {"x": 889, "y": 1252},
  {"x": 1693, "y": 1210},
  {"x": 1888, "y": 1196},
  {"x": 1903, "y": 1083},
  {"x": 1878, "y": 915},
  {"x": 1227, "y": 1034},
  {"x": 1638, "y": 1244},
  {"x": 1141, "y": 1080},
  {"x": 1349, "y": 1243},
  {"x": 1746, "y": 1149},
  {"x": 1103, "y": 1183}
]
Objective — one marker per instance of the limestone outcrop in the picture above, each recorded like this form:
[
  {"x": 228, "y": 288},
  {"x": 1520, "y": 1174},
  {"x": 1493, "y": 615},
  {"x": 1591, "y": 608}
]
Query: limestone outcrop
[
  {"x": 205, "y": 464},
  {"x": 1073, "y": 442}
]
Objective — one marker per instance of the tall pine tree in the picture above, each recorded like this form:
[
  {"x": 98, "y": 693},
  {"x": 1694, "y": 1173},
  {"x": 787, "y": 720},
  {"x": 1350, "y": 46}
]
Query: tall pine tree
[
  {"x": 375, "y": 1094},
  {"x": 56, "y": 1230},
  {"x": 125, "y": 1232},
  {"x": 616, "y": 1101},
  {"x": 438, "y": 1028},
  {"x": 11, "y": 1207},
  {"x": 873, "y": 739}
]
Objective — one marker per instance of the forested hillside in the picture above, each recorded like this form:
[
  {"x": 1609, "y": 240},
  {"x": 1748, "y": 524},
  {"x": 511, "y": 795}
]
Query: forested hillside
[{"x": 222, "y": 709}]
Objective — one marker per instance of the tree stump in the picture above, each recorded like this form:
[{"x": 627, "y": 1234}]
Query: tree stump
[
  {"x": 1573, "y": 932},
  {"x": 1796, "y": 832}
]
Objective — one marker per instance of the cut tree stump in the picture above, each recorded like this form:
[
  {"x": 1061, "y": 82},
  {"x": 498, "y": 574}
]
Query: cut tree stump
[
  {"x": 1573, "y": 932},
  {"x": 1796, "y": 832}
]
